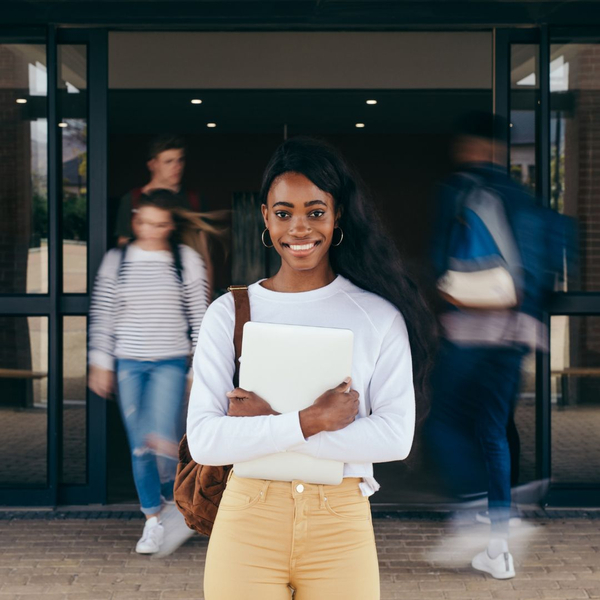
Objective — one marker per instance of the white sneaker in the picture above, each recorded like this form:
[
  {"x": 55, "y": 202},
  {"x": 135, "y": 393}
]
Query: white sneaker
[
  {"x": 483, "y": 516},
  {"x": 501, "y": 567},
  {"x": 176, "y": 530},
  {"x": 152, "y": 538}
]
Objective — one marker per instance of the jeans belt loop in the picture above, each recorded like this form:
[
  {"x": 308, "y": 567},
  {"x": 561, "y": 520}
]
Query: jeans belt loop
[
  {"x": 263, "y": 492},
  {"x": 322, "y": 496}
]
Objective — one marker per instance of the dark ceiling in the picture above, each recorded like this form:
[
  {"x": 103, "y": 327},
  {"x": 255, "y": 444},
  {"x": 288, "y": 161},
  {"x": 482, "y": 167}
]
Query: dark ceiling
[
  {"x": 298, "y": 14},
  {"x": 306, "y": 112}
]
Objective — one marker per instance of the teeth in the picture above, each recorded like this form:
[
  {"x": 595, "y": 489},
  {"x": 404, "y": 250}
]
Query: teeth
[{"x": 303, "y": 247}]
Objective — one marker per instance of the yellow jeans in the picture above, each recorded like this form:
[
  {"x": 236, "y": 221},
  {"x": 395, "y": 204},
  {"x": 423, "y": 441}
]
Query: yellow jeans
[{"x": 273, "y": 537}]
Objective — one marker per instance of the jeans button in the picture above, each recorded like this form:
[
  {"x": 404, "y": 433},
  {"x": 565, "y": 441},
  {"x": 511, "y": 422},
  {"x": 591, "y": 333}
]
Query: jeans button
[{"x": 299, "y": 488}]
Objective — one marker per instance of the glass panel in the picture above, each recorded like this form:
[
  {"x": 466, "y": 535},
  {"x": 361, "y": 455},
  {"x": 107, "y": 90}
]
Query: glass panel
[
  {"x": 23, "y": 169},
  {"x": 523, "y": 108},
  {"x": 522, "y": 445},
  {"x": 575, "y": 363},
  {"x": 74, "y": 452},
  {"x": 575, "y": 154},
  {"x": 23, "y": 401},
  {"x": 73, "y": 126},
  {"x": 524, "y": 80}
]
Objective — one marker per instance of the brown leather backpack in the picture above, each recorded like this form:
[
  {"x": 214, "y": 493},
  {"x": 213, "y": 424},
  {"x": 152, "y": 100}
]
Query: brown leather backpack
[{"x": 198, "y": 488}]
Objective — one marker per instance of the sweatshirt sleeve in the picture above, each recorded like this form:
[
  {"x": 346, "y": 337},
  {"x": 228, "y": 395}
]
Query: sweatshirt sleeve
[
  {"x": 102, "y": 339},
  {"x": 213, "y": 437},
  {"x": 387, "y": 433},
  {"x": 195, "y": 290}
]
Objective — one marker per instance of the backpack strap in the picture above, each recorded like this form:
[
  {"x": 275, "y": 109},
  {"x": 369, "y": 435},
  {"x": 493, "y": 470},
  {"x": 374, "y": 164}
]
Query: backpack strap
[
  {"x": 122, "y": 260},
  {"x": 242, "y": 316}
]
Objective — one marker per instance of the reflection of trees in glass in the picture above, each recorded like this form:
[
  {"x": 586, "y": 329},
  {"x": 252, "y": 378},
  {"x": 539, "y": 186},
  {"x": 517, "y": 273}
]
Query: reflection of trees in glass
[
  {"x": 39, "y": 230},
  {"x": 75, "y": 217},
  {"x": 517, "y": 174},
  {"x": 39, "y": 212},
  {"x": 75, "y": 180}
]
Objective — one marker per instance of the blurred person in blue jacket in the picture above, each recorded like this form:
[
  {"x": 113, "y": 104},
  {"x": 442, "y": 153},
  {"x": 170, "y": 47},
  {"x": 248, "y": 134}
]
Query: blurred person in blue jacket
[{"x": 497, "y": 257}]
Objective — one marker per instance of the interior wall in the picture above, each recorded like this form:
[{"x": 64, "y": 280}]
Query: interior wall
[
  {"x": 300, "y": 60},
  {"x": 400, "y": 170}
]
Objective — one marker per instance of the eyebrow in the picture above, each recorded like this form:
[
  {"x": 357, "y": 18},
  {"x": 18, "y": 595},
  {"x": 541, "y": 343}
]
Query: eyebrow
[{"x": 306, "y": 204}]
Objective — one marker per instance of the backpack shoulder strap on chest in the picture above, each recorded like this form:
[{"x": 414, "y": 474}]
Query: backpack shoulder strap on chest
[{"x": 242, "y": 316}]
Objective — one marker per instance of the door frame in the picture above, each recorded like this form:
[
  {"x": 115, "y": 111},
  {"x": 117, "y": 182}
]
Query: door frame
[
  {"x": 562, "y": 303},
  {"x": 55, "y": 305}
]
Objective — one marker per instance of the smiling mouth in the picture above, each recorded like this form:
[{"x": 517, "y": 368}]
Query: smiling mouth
[{"x": 301, "y": 248}]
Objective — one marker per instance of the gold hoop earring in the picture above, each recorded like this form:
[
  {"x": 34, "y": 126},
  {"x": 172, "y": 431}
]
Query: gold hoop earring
[
  {"x": 341, "y": 237},
  {"x": 262, "y": 237}
]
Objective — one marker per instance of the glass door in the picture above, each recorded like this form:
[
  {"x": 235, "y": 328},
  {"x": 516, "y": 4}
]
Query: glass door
[
  {"x": 574, "y": 88},
  {"x": 48, "y": 420}
]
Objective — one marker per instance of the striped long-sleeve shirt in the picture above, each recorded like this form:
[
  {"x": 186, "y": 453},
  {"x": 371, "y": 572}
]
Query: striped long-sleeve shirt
[{"x": 140, "y": 308}]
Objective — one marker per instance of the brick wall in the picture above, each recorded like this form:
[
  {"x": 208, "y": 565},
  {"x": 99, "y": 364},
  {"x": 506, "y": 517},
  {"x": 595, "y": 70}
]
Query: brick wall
[{"x": 582, "y": 199}]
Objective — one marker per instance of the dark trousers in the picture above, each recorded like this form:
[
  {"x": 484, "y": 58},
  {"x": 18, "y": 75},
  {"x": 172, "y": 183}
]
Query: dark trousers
[{"x": 474, "y": 392}]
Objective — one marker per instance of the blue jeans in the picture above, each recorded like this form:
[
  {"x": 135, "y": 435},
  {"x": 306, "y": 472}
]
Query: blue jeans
[
  {"x": 474, "y": 391},
  {"x": 151, "y": 398}
]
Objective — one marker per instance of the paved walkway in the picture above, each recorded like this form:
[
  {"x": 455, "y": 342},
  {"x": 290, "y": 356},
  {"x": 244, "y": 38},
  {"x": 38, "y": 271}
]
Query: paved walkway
[{"x": 85, "y": 559}]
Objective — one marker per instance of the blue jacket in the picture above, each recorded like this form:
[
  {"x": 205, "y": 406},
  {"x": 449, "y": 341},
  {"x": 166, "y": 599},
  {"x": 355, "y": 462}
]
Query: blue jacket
[{"x": 544, "y": 238}]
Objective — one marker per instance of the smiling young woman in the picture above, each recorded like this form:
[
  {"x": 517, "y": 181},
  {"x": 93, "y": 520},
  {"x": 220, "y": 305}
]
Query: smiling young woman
[{"x": 339, "y": 269}]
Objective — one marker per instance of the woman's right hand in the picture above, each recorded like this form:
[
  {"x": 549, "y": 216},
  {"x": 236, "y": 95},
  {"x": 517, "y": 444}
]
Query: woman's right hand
[
  {"x": 101, "y": 381},
  {"x": 333, "y": 410}
]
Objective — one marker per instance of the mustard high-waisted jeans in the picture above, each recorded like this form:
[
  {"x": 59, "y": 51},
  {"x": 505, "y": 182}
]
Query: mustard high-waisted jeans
[{"x": 272, "y": 537}]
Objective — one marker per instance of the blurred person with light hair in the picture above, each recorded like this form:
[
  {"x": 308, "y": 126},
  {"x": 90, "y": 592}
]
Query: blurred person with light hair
[{"x": 149, "y": 300}]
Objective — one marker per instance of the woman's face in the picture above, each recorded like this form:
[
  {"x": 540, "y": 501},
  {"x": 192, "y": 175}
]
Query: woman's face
[
  {"x": 300, "y": 218},
  {"x": 152, "y": 224}
]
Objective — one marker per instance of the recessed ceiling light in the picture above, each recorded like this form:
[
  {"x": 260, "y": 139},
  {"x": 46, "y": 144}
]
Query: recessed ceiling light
[
  {"x": 360, "y": 125},
  {"x": 371, "y": 101},
  {"x": 211, "y": 124},
  {"x": 63, "y": 124},
  {"x": 21, "y": 100},
  {"x": 196, "y": 101}
]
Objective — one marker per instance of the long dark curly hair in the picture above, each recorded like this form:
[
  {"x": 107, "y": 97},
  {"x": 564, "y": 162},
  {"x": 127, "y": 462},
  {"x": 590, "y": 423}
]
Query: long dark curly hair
[{"x": 368, "y": 256}]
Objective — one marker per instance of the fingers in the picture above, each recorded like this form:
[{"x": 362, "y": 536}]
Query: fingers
[
  {"x": 238, "y": 393},
  {"x": 97, "y": 387},
  {"x": 344, "y": 386}
]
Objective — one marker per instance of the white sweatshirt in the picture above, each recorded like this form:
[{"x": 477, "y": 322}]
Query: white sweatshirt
[{"x": 381, "y": 373}]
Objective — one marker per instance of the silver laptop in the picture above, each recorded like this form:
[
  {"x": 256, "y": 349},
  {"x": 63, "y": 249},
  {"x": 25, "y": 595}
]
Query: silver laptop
[{"x": 290, "y": 366}]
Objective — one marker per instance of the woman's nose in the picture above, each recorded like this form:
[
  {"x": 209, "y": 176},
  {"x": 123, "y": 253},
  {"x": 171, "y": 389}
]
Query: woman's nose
[{"x": 299, "y": 225}]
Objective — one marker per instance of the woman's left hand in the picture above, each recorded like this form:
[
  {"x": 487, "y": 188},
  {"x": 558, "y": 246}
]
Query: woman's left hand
[{"x": 247, "y": 404}]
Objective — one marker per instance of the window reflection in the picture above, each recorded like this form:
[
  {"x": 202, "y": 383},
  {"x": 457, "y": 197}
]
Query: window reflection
[
  {"x": 73, "y": 128},
  {"x": 23, "y": 401},
  {"x": 575, "y": 106},
  {"x": 74, "y": 445},
  {"x": 23, "y": 169},
  {"x": 575, "y": 364}
]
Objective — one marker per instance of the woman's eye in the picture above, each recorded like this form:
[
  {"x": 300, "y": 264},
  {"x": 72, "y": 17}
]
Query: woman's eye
[
  {"x": 281, "y": 215},
  {"x": 317, "y": 213}
]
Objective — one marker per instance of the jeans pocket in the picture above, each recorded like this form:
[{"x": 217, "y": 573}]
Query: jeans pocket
[
  {"x": 348, "y": 508},
  {"x": 234, "y": 500}
]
